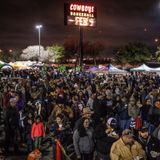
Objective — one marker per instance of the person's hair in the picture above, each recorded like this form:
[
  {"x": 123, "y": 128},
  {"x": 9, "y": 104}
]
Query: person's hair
[
  {"x": 81, "y": 129},
  {"x": 38, "y": 117},
  {"x": 60, "y": 116}
]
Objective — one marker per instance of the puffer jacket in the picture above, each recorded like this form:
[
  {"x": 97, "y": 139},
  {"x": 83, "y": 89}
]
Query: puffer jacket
[
  {"x": 37, "y": 130},
  {"x": 83, "y": 144}
]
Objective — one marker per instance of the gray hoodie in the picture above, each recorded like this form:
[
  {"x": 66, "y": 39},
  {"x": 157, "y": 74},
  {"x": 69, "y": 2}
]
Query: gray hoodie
[{"x": 83, "y": 144}]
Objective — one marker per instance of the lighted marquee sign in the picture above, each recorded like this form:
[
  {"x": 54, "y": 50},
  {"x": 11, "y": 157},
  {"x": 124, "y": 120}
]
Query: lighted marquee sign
[{"x": 80, "y": 14}]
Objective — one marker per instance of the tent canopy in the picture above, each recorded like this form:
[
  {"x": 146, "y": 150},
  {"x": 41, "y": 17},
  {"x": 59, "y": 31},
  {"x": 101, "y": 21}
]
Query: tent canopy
[
  {"x": 155, "y": 69},
  {"x": 1, "y": 62},
  {"x": 6, "y": 67},
  {"x": 113, "y": 69},
  {"x": 18, "y": 65},
  {"x": 143, "y": 67},
  {"x": 103, "y": 68},
  {"x": 106, "y": 69},
  {"x": 93, "y": 69},
  {"x": 1, "y": 65}
]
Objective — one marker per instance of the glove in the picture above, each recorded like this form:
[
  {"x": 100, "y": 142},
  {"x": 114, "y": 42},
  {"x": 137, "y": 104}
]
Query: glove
[{"x": 154, "y": 154}]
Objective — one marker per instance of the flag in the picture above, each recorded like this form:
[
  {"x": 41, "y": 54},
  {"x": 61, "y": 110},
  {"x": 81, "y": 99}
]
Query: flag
[{"x": 58, "y": 150}]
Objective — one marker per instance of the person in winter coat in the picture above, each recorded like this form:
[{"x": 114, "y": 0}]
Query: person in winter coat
[
  {"x": 28, "y": 128},
  {"x": 146, "y": 111},
  {"x": 150, "y": 144},
  {"x": 99, "y": 106},
  {"x": 60, "y": 128},
  {"x": 90, "y": 101},
  {"x": 156, "y": 132},
  {"x": 20, "y": 101},
  {"x": 133, "y": 108},
  {"x": 11, "y": 126},
  {"x": 122, "y": 112},
  {"x": 38, "y": 132},
  {"x": 83, "y": 140},
  {"x": 105, "y": 136},
  {"x": 126, "y": 148},
  {"x": 86, "y": 113}
]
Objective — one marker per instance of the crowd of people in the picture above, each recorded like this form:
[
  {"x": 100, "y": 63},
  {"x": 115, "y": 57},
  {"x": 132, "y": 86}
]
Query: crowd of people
[{"x": 108, "y": 117}]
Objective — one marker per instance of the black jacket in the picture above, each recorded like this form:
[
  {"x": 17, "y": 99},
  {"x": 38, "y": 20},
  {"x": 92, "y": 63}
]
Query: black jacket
[
  {"x": 145, "y": 112},
  {"x": 12, "y": 118},
  {"x": 103, "y": 141},
  {"x": 99, "y": 107},
  {"x": 152, "y": 144}
]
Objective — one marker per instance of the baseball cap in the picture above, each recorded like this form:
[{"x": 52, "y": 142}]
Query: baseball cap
[{"x": 144, "y": 129}]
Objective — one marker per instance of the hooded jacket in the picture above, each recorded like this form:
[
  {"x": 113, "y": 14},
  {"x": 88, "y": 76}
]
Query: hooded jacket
[{"x": 37, "y": 130}]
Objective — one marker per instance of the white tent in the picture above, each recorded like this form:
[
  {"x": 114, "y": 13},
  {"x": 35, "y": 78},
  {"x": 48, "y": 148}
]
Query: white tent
[
  {"x": 6, "y": 67},
  {"x": 155, "y": 69},
  {"x": 1, "y": 62},
  {"x": 143, "y": 67},
  {"x": 102, "y": 68},
  {"x": 114, "y": 70},
  {"x": 24, "y": 63}
]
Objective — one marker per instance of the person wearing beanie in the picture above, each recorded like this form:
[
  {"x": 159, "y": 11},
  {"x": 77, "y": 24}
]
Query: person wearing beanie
[{"x": 112, "y": 128}]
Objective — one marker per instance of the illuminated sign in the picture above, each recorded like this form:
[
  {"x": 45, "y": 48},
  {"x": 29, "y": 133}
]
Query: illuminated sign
[{"x": 80, "y": 14}]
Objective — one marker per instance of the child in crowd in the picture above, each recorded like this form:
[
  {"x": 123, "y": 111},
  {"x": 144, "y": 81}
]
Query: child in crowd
[{"x": 38, "y": 132}]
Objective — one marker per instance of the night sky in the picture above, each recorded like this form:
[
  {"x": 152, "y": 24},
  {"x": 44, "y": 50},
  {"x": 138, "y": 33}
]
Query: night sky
[{"x": 118, "y": 22}]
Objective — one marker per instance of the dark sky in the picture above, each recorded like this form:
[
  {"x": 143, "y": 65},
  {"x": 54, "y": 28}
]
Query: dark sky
[{"x": 118, "y": 22}]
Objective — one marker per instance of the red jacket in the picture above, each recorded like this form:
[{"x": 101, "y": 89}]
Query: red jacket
[{"x": 37, "y": 130}]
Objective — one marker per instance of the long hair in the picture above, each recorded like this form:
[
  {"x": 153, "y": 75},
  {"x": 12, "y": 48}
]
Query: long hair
[{"x": 81, "y": 130}]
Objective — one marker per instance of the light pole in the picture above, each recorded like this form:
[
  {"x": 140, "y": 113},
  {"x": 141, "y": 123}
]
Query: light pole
[{"x": 39, "y": 36}]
